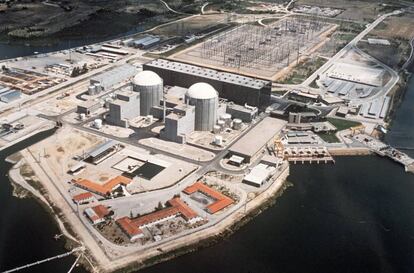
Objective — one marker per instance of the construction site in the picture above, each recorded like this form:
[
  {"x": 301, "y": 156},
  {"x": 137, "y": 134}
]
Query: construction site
[{"x": 259, "y": 52}]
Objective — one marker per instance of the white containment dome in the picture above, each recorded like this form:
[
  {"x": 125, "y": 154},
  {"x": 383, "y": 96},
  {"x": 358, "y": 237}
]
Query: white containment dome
[
  {"x": 205, "y": 99},
  {"x": 151, "y": 87}
]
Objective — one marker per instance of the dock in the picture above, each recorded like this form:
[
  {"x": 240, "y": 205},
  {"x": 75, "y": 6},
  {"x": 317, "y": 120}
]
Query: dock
[
  {"x": 385, "y": 150},
  {"x": 307, "y": 154}
]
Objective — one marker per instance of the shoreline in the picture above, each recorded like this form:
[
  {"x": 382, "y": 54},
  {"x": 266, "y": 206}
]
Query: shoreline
[{"x": 170, "y": 250}]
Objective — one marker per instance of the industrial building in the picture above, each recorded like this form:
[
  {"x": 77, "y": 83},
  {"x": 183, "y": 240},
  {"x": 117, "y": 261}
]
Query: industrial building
[
  {"x": 233, "y": 87},
  {"x": 176, "y": 207},
  {"x": 88, "y": 107},
  {"x": 179, "y": 123},
  {"x": 104, "y": 190},
  {"x": 97, "y": 214},
  {"x": 245, "y": 113},
  {"x": 150, "y": 87},
  {"x": 189, "y": 110},
  {"x": 110, "y": 78},
  {"x": 294, "y": 118},
  {"x": 250, "y": 146},
  {"x": 220, "y": 201},
  {"x": 259, "y": 175},
  {"x": 205, "y": 99},
  {"x": 145, "y": 42},
  {"x": 124, "y": 108},
  {"x": 102, "y": 151},
  {"x": 83, "y": 198}
]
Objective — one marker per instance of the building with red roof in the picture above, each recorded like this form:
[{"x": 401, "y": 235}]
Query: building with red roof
[
  {"x": 83, "y": 198},
  {"x": 105, "y": 189},
  {"x": 133, "y": 227},
  {"x": 97, "y": 214},
  {"x": 221, "y": 201}
]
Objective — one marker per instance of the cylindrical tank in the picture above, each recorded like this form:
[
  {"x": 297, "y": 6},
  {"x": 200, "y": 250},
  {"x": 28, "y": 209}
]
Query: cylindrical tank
[
  {"x": 149, "y": 118},
  {"x": 82, "y": 116},
  {"x": 221, "y": 123},
  {"x": 226, "y": 118},
  {"x": 205, "y": 99},
  {"x": 216, "y": 129},
  {"x": 91, "y": 90},
  {"x": 98, "y": 87},
  {"x": 218, "y": 140},
  {"x": 97, "y": 123},
  {"x": 150, "y": 87},
  {"x": 237, "y": 124}
]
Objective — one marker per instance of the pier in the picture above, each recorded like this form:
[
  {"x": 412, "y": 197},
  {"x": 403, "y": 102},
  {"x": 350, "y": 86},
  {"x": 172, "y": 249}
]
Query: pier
[
  {"x": 385, "y": 150},
  {"x": 317, "y": 160},
  {"x": 45, "y": 260},
  {"x": 307, "y": 154}
]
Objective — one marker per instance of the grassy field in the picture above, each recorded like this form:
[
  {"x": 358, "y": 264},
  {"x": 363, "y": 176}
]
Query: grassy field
[
  {"x": 340, "y": 125},
  {"x": 394, "y": 27},
  {"x": 303, "y": 71},
  {"x": 329, "y": 137}
]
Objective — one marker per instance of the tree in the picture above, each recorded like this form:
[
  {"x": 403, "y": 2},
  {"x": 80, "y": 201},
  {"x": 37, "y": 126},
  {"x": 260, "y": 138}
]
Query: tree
[
  {"x": 84, "y": 68},
  {"x": 75, "y": 72}
]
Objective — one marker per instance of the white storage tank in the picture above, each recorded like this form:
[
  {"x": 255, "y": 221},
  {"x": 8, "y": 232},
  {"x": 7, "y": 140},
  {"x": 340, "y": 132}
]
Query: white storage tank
[
  {"x": 97, "y": 123},
  {"x": 218, "y": 140},
  {"x": 216, "y": 129},
  {"x": 91, "y": 90},
  {"x": 222, "y": 124},
  {"x": 227, "y": 119},
  {"x": 82, "y": 116},
  {"x": 98, "y": 87},
  {"x": 237, "y": 124},
  {"x": 205, "y": 99},
  {"x": 149, "y": 119},
  {"x": 150, "y": 87}
]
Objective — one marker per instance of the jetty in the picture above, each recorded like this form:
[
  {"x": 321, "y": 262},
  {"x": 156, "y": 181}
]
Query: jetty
[{"x": 385, "y": 150}]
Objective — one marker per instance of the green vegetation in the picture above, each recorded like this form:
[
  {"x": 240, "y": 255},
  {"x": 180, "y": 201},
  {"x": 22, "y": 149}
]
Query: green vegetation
[
  {"x": 329, "y": 137},
  {"x": 303, "y": 71},
  {"x": 340, "y": 125}
]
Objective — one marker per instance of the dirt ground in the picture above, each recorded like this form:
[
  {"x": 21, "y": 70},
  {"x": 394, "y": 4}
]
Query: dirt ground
[
  {"x": 353, "y": 10},
  {"x": 394, "y": 55},
  {"x": 396, "y": 27},
  {"x": 191, "y": 25}
]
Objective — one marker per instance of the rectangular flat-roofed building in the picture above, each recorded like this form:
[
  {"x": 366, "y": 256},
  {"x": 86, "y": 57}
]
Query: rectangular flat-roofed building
[
  {"x": 233, "y": 87},
  {"x": 114, "y": 76},
  {"x": 251, "y": 144}
]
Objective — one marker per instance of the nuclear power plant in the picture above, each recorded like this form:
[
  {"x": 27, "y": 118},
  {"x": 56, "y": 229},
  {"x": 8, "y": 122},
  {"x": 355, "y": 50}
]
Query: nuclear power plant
[{"x": 210, "y": 104}]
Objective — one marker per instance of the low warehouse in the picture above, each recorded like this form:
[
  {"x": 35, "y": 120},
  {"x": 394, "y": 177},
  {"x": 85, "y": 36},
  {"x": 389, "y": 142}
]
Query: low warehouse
[
  {"x": 258, "y": 175},
  {"x": 250, "y": 145}
]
